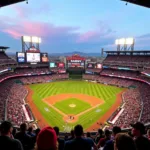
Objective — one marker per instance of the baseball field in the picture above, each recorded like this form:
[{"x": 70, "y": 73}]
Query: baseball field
[{"x": 67, "y": 103}]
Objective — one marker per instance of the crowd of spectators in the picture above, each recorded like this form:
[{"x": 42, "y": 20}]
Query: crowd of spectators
[
  {"x": 3, "y": 68},
  {"x": 12, "y": 96},
  {"x": 43, "y": 78},
  {"x": 128, "y": 74},
  {"x": 120, "y": 73},
  {"x": 132, "y": 108},
  {"x": 11, "y": 101},
  {"x": 31, "y": 70},
  {"x": 136, "y": 101},
  {"x": 93, "y": 70},
  {"x": 4, "y": 59},
  {"x": 15, "y": 100},
  {"x": 127, "y": 60},
  {"x": 147, "y": 71},
  {"x": 48, "y": 138},
  {"x": 109, "y": 80}
]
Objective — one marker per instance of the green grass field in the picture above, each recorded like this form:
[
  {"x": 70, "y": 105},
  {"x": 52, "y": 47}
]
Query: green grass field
[
  {"x": 80, "y": 106},
  {"x": 105, "y": 92}
]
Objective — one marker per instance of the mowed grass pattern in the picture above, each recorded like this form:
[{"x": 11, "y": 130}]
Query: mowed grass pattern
[
  {"x": 80, "y": 106},
  {"x": 105, "y": 92}
]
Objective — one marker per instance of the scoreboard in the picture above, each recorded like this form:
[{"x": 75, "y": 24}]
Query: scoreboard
[
  {"x": 94, "y": 66},
  {"x": 76, "y": 64},
  {"x": 75, "y": 61},
  {"x": 32, "y": 57}
]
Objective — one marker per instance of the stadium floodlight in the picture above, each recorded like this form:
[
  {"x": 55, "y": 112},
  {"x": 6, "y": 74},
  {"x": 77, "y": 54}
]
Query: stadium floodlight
[
  {"x": 125, "y": 44},
  {"x": 30, "y": 41},
  {"x": 26, "y": 38},
  {"x": 130, "y": 41},
  {"x": 36, "y": 39},
  {"x": 117, "y": 42},
  {"x": 40, "y": 40},
  {"x": 122, "y": 41}
]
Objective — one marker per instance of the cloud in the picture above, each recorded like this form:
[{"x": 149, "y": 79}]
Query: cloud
[
  {"x": 142, "y": 42},
  {"x": 25, "y": 11},
  {"x": 57, "y": 37},
  {"x": 13, "y": 33}
]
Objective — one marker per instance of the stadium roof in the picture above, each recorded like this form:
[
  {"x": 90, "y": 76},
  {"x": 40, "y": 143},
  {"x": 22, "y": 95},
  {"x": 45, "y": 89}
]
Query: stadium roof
[
  {"x": 4, "y": 47},
  {"x": 144, "y": 3},
  {"x": 9, "y": 2}
]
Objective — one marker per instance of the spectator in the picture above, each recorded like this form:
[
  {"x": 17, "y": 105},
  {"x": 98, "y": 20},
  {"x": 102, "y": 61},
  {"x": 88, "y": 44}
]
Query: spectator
[
  {"x": 66, "y": 136},
  {"x": 99, "y": 135},
  {"x": 102, "y": 141},
  {"x": 14, "y": 132},
  {"x": 138, "y": 131},
  {"x": 124, "y": 142},
  {"x": 109, "y": 145},
  {"x": 88, "y": 135},
  {"x": 24, "y": 138},
  {"x": 36, "y": 134},
  {"x": 148, "y": 134},
  {"x": 47, "y": 139},
  {"x": 72, "y": 135},
  {"x": 130, "y": 134},
  {"x": 79, "y": 143},
  {"x": 60, "y": 141},
  {"x": 7, "y": 143},
  {"x": 30, "y": 131}
]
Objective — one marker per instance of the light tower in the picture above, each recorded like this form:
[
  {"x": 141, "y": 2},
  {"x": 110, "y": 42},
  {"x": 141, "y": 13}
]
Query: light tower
[
  {"x": 125, "y": 44},
  {"x": 30, "y": 42}
]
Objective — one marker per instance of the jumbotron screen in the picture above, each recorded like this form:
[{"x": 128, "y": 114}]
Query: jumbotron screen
[
  {"x": 90, "y": 65},
  {"x": 33, "y": 57},
  {"x": 99, "y": 66},
  {"x": 52, "y": 65},
  {"x": 61, "y": 65},
  {"x": 44, "y": 57},
  {"x": 76, "y": 64},
  {"x": 20, "y": 57}
]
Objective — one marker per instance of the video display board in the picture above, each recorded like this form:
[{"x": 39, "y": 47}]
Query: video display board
[
  {"x": 20, "y": 57},
  {"x": 99, "y": 66},
  {"x": 33, "y": 57},
  {"x": 44, "y": 57},
  {"x": 52, "y": 64},
  {"x": 76, "y": 63},
  {"x": 61, "y": 65},
  {"x": 90, "y": 65}
]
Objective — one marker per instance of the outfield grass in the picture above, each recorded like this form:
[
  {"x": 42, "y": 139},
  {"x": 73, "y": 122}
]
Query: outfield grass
[
  {"x": 65, "y": 108},
  {"x": 105, "y": 92}
]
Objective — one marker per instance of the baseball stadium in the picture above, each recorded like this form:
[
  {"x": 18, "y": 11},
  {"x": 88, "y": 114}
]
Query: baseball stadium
[
  {"x": 41, "y": 90},
  {"x": 75, "y": 91}
]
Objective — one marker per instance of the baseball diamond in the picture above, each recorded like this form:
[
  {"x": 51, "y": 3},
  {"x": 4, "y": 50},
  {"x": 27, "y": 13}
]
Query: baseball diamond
[{"x": 67, "y": 103}]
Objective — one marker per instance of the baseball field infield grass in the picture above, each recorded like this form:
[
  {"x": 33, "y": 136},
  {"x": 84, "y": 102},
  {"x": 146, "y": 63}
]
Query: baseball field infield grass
[{"x": 73, "y": 106}]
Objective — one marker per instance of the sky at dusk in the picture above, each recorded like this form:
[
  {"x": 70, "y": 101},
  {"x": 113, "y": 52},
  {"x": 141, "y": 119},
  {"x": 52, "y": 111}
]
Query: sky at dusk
[{"x": 74, "y": 25}]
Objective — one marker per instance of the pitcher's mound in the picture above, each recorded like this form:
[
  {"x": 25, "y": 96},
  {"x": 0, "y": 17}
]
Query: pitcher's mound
[{"x": 72, "y": 105}]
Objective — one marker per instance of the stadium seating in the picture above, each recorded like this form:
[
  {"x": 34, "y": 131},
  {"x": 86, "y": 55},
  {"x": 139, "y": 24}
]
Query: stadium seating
[
  {"x": 4, "y": 59},
  {"x": 12, "y": 95},
  {"x": 136, "y": 101}
]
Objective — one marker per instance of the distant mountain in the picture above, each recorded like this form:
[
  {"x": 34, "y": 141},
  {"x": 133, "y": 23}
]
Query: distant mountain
[
  {"x": 66, "y": 54},
  {"x": 76, "y": 52}
]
